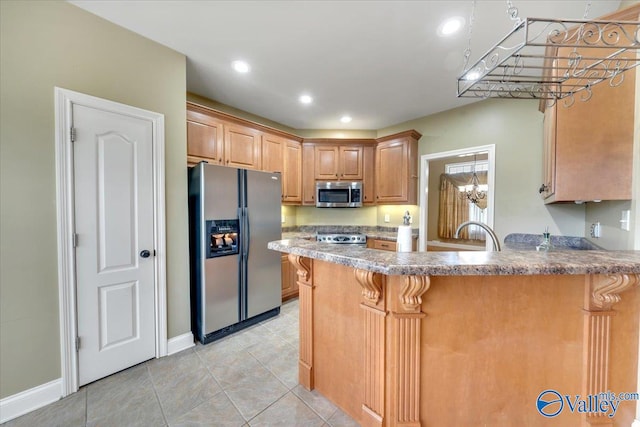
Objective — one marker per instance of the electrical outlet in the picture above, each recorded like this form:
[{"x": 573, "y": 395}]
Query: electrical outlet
[
  {"x": 283, "y": 219},
  {"x": 386, "y": 218},
  {"x": 595, "y": 230}
]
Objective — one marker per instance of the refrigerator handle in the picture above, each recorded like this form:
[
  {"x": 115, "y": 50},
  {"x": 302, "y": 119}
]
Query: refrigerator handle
[
  {"x": 241, "y": 239},
  {"x": 247, "y": 232}
]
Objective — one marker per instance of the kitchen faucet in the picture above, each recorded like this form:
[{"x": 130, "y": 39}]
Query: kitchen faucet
[{"x": 490, "y": 232}]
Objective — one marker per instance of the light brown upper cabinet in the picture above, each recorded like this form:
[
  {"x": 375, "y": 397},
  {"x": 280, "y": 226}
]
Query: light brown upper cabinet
[
  {"x": 308, "y": 176},
  {"x": 272, "y": 153},
  {"x": 292, "y": 173},
  {"x": 218, "y": 138},
  {"x": 386, "y": 166},
  {"x": 242, "y": 147},
  {"x": 205, "y": 138},
  {"x": 284, "y": 156},
  {"x": 588, "y": 146},
  {"x": 368, "y": 176},
  {"x": 334, "y": 162},
  {"x": 396, "y": 160}
]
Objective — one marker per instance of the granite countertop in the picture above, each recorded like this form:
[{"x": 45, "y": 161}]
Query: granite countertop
[{"x": 468, "y": 263}]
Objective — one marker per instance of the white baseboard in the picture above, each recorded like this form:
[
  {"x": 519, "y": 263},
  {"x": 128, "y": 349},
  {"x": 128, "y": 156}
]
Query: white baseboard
[
  {"x": 179, "y": 343},
  {"x": 29, "y": 400},
  {"x": 35, "y": 398}
]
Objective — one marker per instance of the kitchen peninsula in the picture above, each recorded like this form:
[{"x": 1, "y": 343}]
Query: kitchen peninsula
[{"x": 466, "y": 338}]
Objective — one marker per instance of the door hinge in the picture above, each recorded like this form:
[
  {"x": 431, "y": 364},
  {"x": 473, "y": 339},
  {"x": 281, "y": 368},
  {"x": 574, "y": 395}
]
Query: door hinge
[
  {"x": 72, "y": 134},
  {"x": 77, "y": 343},
  {"x": 74, "y": 239}
]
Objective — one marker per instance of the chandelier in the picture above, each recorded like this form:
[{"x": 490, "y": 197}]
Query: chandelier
[
  {"x": 473, "y": 192},
  {"x": 553, "y": 59}
]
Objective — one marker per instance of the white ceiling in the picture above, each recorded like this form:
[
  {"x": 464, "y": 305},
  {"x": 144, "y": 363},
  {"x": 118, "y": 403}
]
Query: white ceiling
[{"x": 380, "y": 62}]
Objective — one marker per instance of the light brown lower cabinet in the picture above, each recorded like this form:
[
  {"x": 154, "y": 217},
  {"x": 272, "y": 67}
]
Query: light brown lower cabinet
[
  {"x": 289, "y": 280},
  {"x": 388, "y": 245}
]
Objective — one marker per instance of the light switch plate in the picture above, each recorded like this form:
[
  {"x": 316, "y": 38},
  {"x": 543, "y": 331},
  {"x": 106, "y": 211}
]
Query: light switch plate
[
  {"x": 625, "y": 219},
  {"x": 387, "y": 218}
]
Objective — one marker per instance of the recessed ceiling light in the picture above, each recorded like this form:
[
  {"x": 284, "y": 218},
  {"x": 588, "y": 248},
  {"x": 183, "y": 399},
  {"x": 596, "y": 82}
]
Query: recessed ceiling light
[
  {"x": 240, "y": 66},
  {"x": 451, "y": 26},
  {"x": 306, "y": 99},
  {"x": 345, "y": 119}
]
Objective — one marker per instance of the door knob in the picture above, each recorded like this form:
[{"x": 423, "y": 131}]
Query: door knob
[{"x": 145, "y": 254}]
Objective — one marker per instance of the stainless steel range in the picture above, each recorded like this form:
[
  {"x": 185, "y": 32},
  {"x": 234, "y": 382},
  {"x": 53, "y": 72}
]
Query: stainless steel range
[{"x": 342, "y": 238}]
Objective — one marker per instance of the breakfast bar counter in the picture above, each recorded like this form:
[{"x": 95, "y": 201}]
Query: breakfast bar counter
[{"x": 468, "y": 338}]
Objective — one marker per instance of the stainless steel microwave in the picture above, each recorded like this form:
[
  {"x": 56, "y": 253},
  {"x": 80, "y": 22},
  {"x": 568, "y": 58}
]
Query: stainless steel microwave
[{"x": 338, "y": 194}]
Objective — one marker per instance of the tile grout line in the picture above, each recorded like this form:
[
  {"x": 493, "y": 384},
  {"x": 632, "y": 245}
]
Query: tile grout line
[
  {"x": 155, "y": 392},
  {"x": 248, "y": 353},
  {"x": 314, "y": 411},
  {"x": 206, "y": 366},
  {"x": 86, "y": 407},
  {"x": 270, "y": 405}
]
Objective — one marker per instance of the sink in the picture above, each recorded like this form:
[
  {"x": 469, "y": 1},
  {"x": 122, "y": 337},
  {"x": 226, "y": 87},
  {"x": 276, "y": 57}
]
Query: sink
[{"x": 524, "y": 242}]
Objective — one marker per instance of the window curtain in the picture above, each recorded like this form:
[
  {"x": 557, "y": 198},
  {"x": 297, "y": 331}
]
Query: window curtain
[
  {"x": 454, "y": 206},
  {"x": 453, "y": 210}
]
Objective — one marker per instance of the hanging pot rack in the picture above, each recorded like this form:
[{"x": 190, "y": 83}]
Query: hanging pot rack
[{"x": 553, "y": 59}]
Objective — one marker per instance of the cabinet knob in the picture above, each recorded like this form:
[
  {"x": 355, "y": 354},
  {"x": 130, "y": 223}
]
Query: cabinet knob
[
  {"x": 227, "y": 161},
  {"x": 220, "y": 160},
  {"x": 542, "y": 188}
]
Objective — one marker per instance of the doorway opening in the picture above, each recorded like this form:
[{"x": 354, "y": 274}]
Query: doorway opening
[{"x": 435, "y": 174}]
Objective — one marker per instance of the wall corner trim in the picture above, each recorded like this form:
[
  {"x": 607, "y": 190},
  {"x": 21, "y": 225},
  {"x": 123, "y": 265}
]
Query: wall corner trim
[
  {"x": 179, "y": 343},
  {"x": 29, "y": 400}
]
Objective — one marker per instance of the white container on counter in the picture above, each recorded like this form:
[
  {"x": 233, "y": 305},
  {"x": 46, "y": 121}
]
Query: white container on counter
[{"x": 405, "y": 238}]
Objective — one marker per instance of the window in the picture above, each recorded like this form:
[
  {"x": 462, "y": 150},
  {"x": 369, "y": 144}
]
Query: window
[{"x": 475, "y": 213}]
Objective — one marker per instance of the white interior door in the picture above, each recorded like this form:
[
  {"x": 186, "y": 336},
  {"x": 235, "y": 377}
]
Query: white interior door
[{"x": 113, "y": 195}]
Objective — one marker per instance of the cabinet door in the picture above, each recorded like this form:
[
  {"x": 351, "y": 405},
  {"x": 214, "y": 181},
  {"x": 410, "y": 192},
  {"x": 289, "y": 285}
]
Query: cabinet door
[
  {"x": 292, "y": 173},
  {"x": 289, "y": 279},
  {"x": 594, "y": 144},
  {"x": 242, "y": 147},
  {"x": 308, "y": 177},
  {"x": 350, "y": 167},
  {"x": 204, "y": 138},
  {"x": 593, "y": 155},
  {"x": 392, "y": 171},
  {"x": 549, "y": 152},
  {"x": 397, "y": 171},
  {"x": 272, "y": 153},
  {"x": 327, "y": 162},
  {"x": 368, "y": 183}
]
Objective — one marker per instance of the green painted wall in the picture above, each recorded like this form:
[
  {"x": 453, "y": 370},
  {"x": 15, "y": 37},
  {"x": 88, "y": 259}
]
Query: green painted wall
[
  {"x": 515, "y": 127},
  {"x": 48, "y": 44}
]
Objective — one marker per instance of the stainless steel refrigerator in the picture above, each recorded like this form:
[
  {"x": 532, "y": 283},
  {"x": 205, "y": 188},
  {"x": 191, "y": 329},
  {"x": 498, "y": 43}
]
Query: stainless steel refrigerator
[{"x": 235, "y": 279}]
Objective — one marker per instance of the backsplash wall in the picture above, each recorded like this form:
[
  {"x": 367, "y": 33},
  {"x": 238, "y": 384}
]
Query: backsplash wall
[
  {"x": 608, "y": 213},
  {"x": 367, "y": 216},
  {"x": 309, "y": 215}
]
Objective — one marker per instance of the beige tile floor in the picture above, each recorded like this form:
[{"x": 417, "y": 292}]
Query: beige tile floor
[{"x": 247, "y": 379}]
